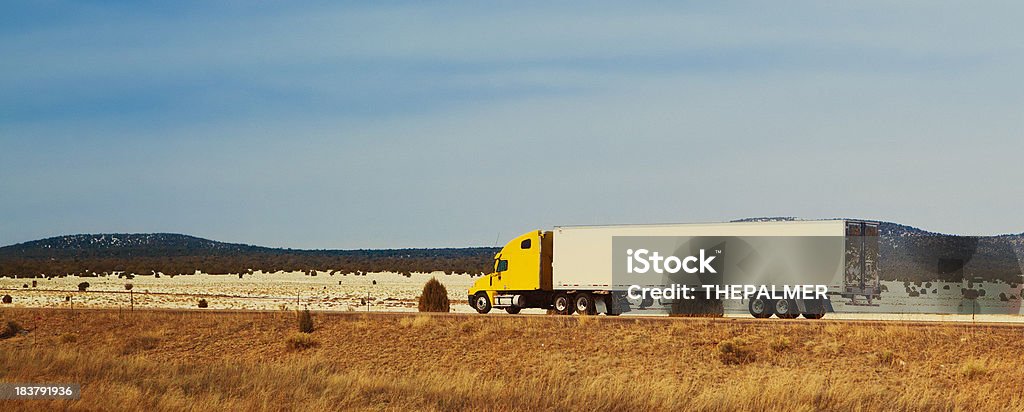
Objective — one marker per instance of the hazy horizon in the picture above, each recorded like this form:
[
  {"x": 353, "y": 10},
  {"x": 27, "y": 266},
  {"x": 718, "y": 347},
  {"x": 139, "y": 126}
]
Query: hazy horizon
[{"x": 344, "y": 126}]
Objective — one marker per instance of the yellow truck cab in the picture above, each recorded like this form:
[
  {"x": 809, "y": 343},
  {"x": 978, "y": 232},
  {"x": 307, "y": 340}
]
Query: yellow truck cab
[{"x": 521, "y": 276}]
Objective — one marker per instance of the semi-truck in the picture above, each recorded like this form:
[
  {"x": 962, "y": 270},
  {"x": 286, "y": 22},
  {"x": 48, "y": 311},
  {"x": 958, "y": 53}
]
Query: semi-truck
[{"x": 569, "y": 269}]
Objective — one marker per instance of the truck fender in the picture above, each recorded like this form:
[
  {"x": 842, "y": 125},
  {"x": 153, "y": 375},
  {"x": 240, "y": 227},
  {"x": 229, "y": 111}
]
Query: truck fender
[{"x": 600, "y": 306}]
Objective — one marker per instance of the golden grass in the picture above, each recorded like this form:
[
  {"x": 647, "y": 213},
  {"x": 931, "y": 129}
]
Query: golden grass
[
  {"x": 301, "y": 341},
  {"x": 202, "y": 360}
]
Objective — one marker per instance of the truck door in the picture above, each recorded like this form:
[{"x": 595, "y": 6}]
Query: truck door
[{"x": 861, "y": 273}]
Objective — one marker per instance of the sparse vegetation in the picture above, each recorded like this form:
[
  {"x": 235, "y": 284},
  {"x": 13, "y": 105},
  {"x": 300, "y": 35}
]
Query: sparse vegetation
[
  {"x": 887, "y": 358},
  {"x": 82, "y": 287},
  {"x": 216, "y": 359},
  {"x": 203, "y": 304},
  {"x": 305, "y": 321},
  {"x": 301, "y": 341},
  {"x": 974, "y": 368},
  {"x": 8, "y": 299},
  {"x": 780, "y": 344},
  {"x": 434, "y": 297},
  {"x": 415, "y": 322},
  {"x": 735, "y": 351},
  {"x": 10, "y": 329},
  {"x": 139, "y": 343}
]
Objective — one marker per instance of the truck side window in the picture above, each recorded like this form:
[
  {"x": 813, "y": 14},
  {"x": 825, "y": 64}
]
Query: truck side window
[
  {"x": 525, "y": 244},
  {"x": 502, "y": 265}
]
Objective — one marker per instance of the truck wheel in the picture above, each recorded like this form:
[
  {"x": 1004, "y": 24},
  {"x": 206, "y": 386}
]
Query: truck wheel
[
  {"x": 814, "y": 315},
  {"x": 562, "y": 304},
  {"x": 482, "y": 304},
  {"x": 760, "y": 308},
  {"x": 785, "y": 309},
  {"x": 585, "y": 304},
  {"x": 512, "y": 310}
]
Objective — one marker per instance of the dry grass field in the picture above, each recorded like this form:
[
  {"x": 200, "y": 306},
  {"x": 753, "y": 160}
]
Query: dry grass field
[{"x": 205, "y": 361}]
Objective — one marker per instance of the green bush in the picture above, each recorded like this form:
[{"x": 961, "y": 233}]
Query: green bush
[
  {"x": 305, "y": 321},
  {"x": 434, "y": 297}
]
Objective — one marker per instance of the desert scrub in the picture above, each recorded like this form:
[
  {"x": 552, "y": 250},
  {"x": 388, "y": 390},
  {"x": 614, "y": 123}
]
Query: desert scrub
[
  {"x": 975, "y": 368},
  {"x": 780, "y": 344},
  {"x": 203, "y": 303},
  {"x": 735, "y": 351},
  {"x": 141, "y": 343},
  {"x": 10, "y": 329},
  {"x": 305, "y": 321},
  {"x": 301, "y": 341},
  {"x": 434, "y": 297},
  {"x": 415, "y": 322}
]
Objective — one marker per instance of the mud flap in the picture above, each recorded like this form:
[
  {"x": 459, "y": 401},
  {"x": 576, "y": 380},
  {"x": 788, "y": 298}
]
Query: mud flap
[
  {"x": 600, "y": 306},
  {"x": 814, "y": 306}
]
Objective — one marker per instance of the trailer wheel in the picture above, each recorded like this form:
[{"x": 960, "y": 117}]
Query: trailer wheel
[
  {"x": 482, "y": 304},
  {"x": 562, "y": 304},
  {"x": 814, "y": 315},
  {"x": 760, "y": 308},
  {"x": 585, "y": 304},
  {"x": 785, "y": 309},
  {"x": 513, "y": 310}
]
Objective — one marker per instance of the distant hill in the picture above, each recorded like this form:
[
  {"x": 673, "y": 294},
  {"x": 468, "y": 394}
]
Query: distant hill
[
  {"x": 911, "y": 254},
  {"x": 124, "y": 244},
  {"x": 906, "y": 253},
  {"x": 176, "y": 254}
]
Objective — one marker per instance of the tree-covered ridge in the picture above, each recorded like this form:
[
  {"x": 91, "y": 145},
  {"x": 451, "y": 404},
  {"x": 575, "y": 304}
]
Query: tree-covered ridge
[{"x": 175, "y": 254}]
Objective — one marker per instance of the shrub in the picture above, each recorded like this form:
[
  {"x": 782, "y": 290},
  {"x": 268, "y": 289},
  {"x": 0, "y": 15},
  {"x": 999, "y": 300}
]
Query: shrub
[
  {"x": 301, "y": 341},
  {"x": 128, "y": 286},
  {"x": 8, "y": 299},
  {"x": 305, "y": 321},
  {"x": 887, "y": 358},
  {"x": 10, "y": 330},
  {"x": 434, "y": 297},
  {"x": 735, "y": 351},
  {"x": 140, "y": 343},
  {"x": 974, "y": 369},
  {"x": 780, "y": 344},
  {"x": 83, "y": 286},
  {"x": 415, "y": 322},
  {"x": 203, "y": 303}
]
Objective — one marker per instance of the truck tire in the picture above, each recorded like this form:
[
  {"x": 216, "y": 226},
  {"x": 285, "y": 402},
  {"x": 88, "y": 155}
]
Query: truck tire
[
  {"x": 814, "y": 315},
  {"x": 513, "y": 310},
  {"x": 786, "y": 309},
  {"x": 760, "y": 308},
  {"x": 482, "y": 304},
  {"x": 562, "y": 304},
  {"x": 585, "y": 304}
]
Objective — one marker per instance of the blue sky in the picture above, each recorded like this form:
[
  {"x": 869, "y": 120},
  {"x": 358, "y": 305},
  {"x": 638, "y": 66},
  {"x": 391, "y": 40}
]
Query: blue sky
[{"x": 329, "y": 125}]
